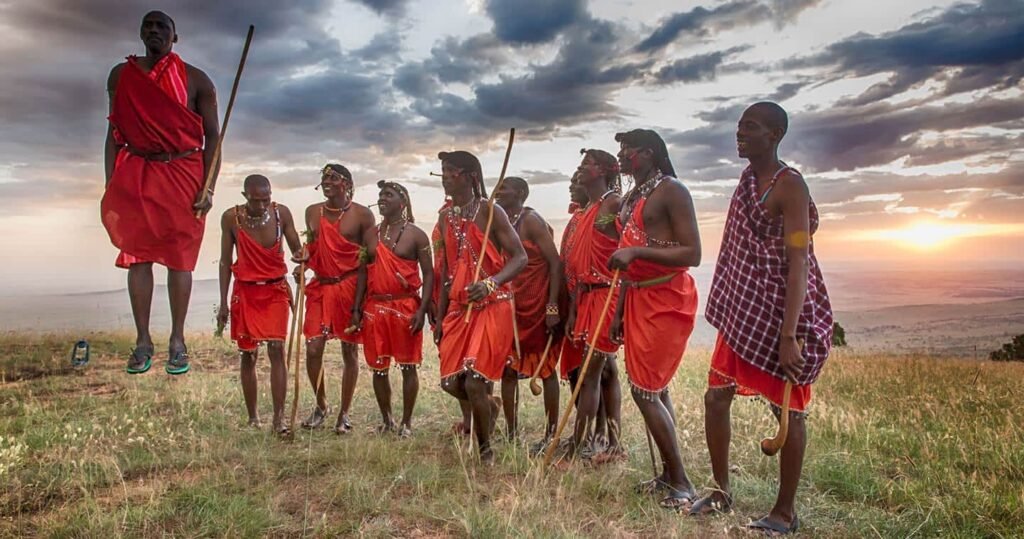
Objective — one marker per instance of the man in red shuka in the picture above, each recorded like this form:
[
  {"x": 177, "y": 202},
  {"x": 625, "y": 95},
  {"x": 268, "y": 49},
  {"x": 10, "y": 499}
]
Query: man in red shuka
[
  {"x": 473, "y": 352},
  {"x": 655, "y": 316},
  {"x": 160, "y": 143},
  {"x": 536, "y": 291},
  {"x": 394, "y": 310},
  {"x": 342, "y": 238},
  {"x": 260, "y": 298}
]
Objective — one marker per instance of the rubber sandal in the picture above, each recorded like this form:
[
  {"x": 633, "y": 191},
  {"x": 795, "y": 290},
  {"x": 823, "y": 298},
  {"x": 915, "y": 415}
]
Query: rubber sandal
[
  {"x": 80, "y": 354},
  {"x": 316, "y": 418},
  {"x": 711, "y": 506},
  {"x": 774, "y": 529},
  {"x": 677, "y": 500},
  {"x": 343, "y": 426},
  {"x": 405, "y": 432},
  {"x": 139, "y": 361},
  {"x": 177, "y": 363},
  {"x": 651, "y": 486}
]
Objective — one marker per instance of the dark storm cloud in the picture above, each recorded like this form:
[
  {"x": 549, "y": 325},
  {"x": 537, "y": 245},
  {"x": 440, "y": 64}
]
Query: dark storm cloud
[
  {"x": 577, "y": 86},
  {"x": 702, "y": 22},
  {"x": 385, "y": 7},
  {"x": 701, "y": 67},
  {"x": 847, "y": 138},
  {"x": 968, "y": 46},
  {"x": 533, "y": 21}
]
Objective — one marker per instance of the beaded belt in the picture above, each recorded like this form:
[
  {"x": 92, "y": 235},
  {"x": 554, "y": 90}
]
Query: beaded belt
[
  {"x": 336, "y": 280},
  {"x": 269, "y": 281},
  {"x": 163, "y": 157}
]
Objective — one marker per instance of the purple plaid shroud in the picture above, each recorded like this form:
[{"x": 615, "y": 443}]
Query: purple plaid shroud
[{"x": 748, "y": 293}]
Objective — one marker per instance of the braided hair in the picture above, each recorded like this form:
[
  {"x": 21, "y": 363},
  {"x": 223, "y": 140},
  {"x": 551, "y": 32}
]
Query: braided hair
[
  {"x": 647, "y": 139},
  {"x": 403, "y": 194},
  {"x": 469, "y": 164},
  {"x": 609, "y": 167}
]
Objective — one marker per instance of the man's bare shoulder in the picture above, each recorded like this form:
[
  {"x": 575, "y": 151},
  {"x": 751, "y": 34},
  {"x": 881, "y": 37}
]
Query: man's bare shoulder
[
  {"x": 611, "y": 203},
  {"x": 115, "y": 75},
  {"x": 284, "y": 211},
  {"x": 792, "y": 182},
  {"x": 202, "y": 80},
  {"x": 228, "y": 217},
  {"x": 670, "y": 189},
  {"x": 418, "y": 234}
]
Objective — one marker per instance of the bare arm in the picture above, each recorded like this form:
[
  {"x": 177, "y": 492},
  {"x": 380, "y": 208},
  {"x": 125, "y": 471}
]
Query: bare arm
[
  {"x": 206, "y": 106},
  {"x": 288, "y": 229},
  {"x": 794, "y": 202},
  {"x": 674, "y": 201},
  {"x": 427, "y": 269},
  {"x": 369, "y": 242},
  {"x": 442, "y": 278},
  {"x": 536, "y": 230},
  {"x": 227, "y": 252},
  {"x": 110, "y": 145},
  {"x": 507, "y": 240}
]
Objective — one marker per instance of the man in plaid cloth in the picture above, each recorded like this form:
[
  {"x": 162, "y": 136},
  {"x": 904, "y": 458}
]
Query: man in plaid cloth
[{"x": 769, "y": 304}]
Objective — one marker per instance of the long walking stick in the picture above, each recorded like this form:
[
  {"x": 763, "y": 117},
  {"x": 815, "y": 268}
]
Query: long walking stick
[
  {"x": 583, "y": 372},
  {"x": 295, "y": 341},
  {"x": 771, "y": 446},
  {"x": 534, "y": 384},
  {"x": 205, "y": 193},
  {"x": 490, "y": 217}
]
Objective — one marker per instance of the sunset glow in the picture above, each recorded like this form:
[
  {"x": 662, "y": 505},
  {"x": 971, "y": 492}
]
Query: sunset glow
[{"x": 931, "y": 236}]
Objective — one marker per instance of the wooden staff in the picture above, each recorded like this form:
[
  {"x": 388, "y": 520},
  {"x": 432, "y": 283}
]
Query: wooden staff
[
  {"x": 771, "y": 446},
  {"x": 295, "y": 334},
  {"x": 534, "y": 384},
  {"x": 490, "y": 217},
  {"x": 205, "y": 193},
  {"x": 583, "y": 371}
]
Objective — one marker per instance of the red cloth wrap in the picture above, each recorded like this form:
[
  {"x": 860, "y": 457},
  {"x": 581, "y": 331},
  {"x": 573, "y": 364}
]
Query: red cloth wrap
[
  {"x": 587, "y": 263},
  {"x": 657, "y": 320},
  {"x": 485, "y": 342},
  {"x": 386, "y": 334},
  {"x": 729, "y": 370},
  {"x": 329, "y": 306},
  {"x": 531, "y": 289},
  {"x": 259, "y": 312},
  {"x": 147, "y": 207}
]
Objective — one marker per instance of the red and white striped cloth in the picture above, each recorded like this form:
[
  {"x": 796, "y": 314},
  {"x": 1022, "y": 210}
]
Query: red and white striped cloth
[{"x": 748, "y": 292}]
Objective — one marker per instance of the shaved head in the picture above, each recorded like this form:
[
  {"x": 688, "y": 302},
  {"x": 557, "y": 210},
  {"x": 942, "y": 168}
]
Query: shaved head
[
  {"x": 255, "y": 182},
  {"x": 773, "y": 116},
  {"x": 518, "y": 184},
  {"x": 161, "y": 14}
]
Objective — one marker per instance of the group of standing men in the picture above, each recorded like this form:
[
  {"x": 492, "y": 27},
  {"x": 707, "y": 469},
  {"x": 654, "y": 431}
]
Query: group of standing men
[{"x": 503, "y": 307}]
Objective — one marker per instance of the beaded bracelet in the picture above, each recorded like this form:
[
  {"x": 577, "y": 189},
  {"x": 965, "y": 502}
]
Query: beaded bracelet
[{"x": 551, "y": 309}]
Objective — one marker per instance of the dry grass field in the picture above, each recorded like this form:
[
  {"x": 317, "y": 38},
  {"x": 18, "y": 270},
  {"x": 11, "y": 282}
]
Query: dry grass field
[{"x": 899, "y": 447}]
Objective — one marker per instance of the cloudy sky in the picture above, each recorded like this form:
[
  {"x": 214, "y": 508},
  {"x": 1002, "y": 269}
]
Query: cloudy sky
[{"x": 907, "y": 117}]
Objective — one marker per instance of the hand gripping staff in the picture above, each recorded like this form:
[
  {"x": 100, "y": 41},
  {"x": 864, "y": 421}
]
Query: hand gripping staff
[
  {"x": 490, "y": 217},
  {"x": 205, "y": 193}
]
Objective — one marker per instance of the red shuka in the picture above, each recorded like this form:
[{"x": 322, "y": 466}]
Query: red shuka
[
  {"x": 587, "y": 266},
  {"x": 391, "y": 303},
  {"x": 147, "y": 207},
  {"x": 260, "y": 296},
  {"x": 485, "y": 342},
  {"x": 329, "y": 305},
  {"x": 531, "y": 294},
  {"x": 658, "y": 318}
]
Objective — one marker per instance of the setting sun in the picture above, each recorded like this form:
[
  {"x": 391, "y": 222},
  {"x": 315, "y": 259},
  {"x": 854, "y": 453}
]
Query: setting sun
[{"x": 928, "y": 236}]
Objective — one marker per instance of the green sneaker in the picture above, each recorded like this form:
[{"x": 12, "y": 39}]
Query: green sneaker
[
  {"x": 177, "y": 363},
  {"x": 139, "y": 361}
]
